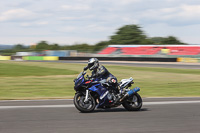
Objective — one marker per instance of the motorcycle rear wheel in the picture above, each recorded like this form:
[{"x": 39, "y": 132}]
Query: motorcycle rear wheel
[
  {"x": 134, "y": 103},
  {"x": 81, "y": 105}
]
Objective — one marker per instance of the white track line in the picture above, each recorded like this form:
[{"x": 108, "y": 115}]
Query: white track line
[
  {"x": 169, "y": 102},
  {"x": 38, "y": 106},
  {"x": 72, "y": 105},
  {"x": 36, "y": 100}
]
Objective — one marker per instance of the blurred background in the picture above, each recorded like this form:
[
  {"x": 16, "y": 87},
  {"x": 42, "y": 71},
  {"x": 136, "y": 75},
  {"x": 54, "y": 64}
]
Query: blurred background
[
  {"x": 128, "y": 41},
  {"x": 135, "y": 28}
]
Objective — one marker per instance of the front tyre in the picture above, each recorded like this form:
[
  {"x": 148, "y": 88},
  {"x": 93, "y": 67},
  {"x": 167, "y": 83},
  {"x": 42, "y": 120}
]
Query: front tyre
[
  {"x": 84, "y": 107},
  {"x": 134, "y": 103}
]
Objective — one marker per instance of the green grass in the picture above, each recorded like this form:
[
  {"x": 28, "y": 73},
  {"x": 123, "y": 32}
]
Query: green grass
[
  {"x": 14, "y": 70},
  {"x": 153, "y": 69},
  {"x": 41, "y": 80}
]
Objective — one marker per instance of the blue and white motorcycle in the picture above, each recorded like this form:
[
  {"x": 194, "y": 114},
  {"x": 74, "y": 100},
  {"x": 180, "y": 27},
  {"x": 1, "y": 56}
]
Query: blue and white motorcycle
[{"x": 95, "y": 93}]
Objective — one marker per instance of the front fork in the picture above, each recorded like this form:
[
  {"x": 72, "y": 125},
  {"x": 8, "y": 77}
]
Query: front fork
[{"x": 86, "y": 96}]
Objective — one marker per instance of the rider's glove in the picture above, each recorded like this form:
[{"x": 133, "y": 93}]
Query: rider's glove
[{"x": 85, "y": 68}]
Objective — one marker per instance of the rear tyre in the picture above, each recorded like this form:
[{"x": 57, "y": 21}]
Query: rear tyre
[
  {"x": 81, "y": 105},
  {"x": 134, "y": 103}
]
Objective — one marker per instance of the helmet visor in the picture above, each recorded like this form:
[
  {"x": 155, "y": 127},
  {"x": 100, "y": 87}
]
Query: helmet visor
[{"x": 90, "y": 65}]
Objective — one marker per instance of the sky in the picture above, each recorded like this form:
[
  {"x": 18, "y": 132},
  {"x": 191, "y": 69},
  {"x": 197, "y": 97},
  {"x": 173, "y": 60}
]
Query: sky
[{"x": 69, "y": 22}]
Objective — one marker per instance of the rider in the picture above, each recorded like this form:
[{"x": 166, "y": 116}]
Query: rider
[{"x": 101, "y": 73}]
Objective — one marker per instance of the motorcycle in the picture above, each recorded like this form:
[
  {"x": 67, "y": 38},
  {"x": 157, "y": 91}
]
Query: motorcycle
[{"x": 96, "y": 93}]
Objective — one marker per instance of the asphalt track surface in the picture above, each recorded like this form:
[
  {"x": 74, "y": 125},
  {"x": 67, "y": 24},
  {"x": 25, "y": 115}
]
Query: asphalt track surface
[{"x": 158, "y": 115}]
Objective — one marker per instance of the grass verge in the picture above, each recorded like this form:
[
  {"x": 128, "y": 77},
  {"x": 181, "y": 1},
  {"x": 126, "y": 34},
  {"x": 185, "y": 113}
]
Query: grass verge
[
  {"x": 16, "y": 70},
  {"x": 43, "y": 80}
]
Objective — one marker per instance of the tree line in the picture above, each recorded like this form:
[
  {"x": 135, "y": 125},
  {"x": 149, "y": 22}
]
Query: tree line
[{"x": 126, "y": 35}]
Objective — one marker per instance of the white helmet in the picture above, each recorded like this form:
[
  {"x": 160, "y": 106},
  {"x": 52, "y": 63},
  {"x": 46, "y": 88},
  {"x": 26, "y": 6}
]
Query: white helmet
[{"x": 93, "y": 63}]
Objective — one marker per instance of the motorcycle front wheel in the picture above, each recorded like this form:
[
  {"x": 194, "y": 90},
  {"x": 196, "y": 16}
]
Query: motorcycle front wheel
[
  {"x": 134, "y": 103},
  {"x": 84, "y": 107}
]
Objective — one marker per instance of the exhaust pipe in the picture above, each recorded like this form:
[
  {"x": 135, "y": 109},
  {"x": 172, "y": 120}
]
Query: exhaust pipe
[{"x": 130, "y": 93}]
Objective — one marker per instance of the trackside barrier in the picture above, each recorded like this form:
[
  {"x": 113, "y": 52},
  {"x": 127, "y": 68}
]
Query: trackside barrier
[
  {"x": 5, "y": 57},
  {"x": 150, "y": 59},
  {"x": 40, "y": 58},
  {"x": 17, "y": 58},
  {"x": 33, "y": 58},
  {"x": 54, "y": 58},
  {"x": 188, "y": 60},
  {"x": 50, "y": 58}
]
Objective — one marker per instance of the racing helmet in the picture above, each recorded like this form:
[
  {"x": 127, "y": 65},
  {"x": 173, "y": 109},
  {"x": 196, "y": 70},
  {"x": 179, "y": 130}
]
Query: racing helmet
[{"x": 93, "y": 63}]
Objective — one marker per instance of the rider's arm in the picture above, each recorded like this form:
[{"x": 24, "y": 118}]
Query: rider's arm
[{"x": 101, "y": 71}]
